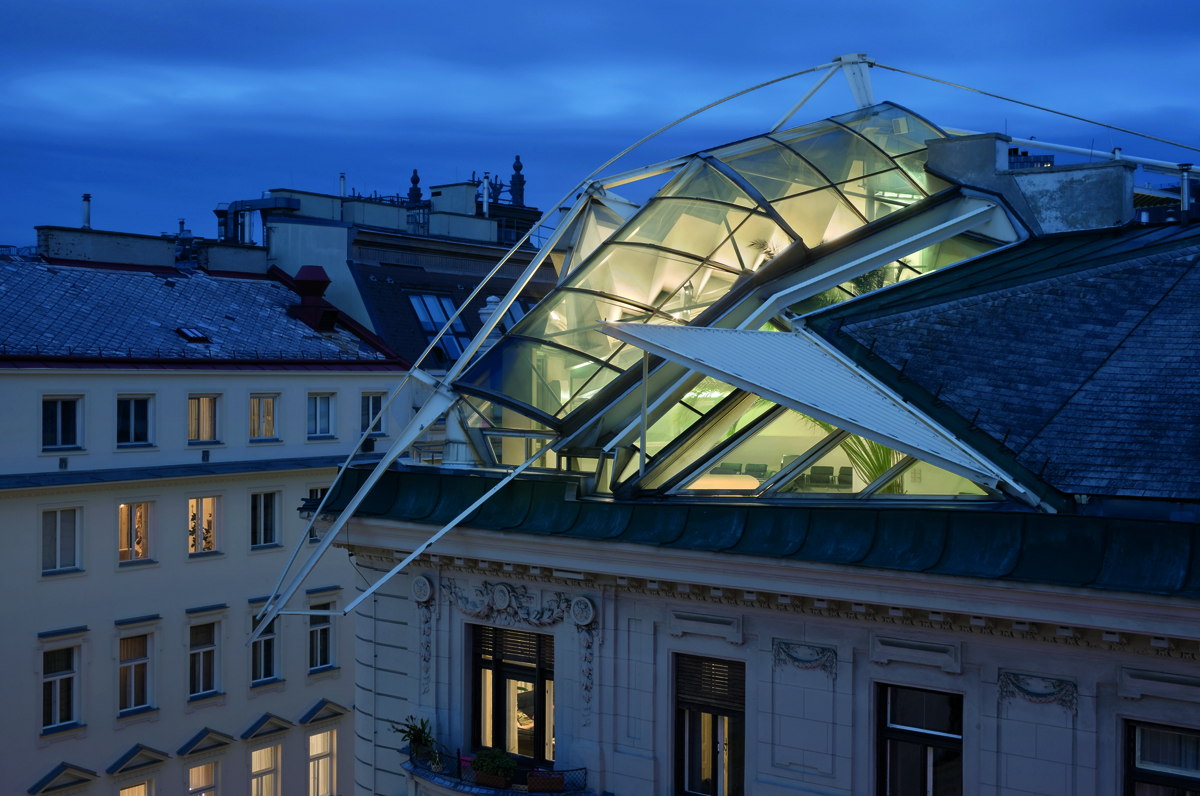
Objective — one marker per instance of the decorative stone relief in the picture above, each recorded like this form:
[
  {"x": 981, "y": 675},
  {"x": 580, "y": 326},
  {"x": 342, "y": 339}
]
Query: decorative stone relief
[
  {"x": 512, "y": 605},
  {"x": 805, "y": 656},
  {"x": 1039, "y": 690},
  {"x": 422, "y": 592}
]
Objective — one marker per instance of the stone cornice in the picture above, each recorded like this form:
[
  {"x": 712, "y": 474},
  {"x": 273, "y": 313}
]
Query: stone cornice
[{"x": 123, "y": 486}]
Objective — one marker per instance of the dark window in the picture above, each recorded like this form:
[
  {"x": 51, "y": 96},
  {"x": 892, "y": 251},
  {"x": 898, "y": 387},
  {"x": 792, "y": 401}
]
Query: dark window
[
  {"x": 319, "y": 653},
  {"x": 133, "y": 421},
  {"x": 203, "y": 659},
  {"x": 371, "y": 406},
  {"x": 58, "y": 687},
  {"x": 434, "y": 311},
  {"x": 58, "y": 539},
  {"x": 316, "y": 493},
  {"x": 919, "y": 742},
  {"x": 710, "y": 726},
  {"x": 59, "y": 423},
  {"x": 514, "y": 692},
  {"x": 262, "y": 519},
  {"x": 262, "y": 654},
  {"x": 134, "y": 672},
  {"x": 1161, "y": 761}
]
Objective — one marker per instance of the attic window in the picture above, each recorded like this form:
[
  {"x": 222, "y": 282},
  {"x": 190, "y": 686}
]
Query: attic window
[{"x": 193, "y": 335}]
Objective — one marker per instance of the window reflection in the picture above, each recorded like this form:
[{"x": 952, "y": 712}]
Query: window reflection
[{"x": 759, "y": 458}]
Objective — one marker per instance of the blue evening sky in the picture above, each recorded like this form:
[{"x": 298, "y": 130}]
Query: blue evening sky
[{"x": 163, "y": 109}]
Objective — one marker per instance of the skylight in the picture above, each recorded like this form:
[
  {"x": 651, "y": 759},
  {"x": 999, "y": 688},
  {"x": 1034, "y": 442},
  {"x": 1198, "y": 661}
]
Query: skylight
[{"x": 193, "y": 335}]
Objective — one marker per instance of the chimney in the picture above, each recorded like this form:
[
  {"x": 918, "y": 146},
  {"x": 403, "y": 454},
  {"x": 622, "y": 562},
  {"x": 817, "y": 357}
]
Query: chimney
[
  {"x": 311, "y": 282},
  {"x": 342, "y": 179},
  {"x": 87, "y": 211},
  {"x": 181, "y": 227}
]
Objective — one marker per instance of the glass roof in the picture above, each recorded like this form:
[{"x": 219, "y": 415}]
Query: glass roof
[{"x": 693, "y": 240}]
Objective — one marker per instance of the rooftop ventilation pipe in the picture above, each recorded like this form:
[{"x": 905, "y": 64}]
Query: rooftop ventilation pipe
[
  {"x": 342, "y": 179},
  {"x": 310, "y": 282},
  {"x": 486, "y": 188},
  {"x": 87, "y": 211}
]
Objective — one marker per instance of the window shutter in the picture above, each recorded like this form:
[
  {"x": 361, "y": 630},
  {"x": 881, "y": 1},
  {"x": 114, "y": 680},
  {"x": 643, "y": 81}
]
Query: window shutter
[{"x": 711, "y": 685}]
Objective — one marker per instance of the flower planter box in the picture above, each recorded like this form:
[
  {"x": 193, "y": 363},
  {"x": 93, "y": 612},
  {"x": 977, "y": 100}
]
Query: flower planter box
[
  {"x": 545, "y": 782},
  {"x": 492, "y": 780}
]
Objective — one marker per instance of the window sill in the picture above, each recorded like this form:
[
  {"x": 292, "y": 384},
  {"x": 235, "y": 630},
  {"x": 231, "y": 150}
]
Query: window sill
[
  {"x": 205, "y": 554},
  {"x": 137, "y": 562},
  {"x": 207, "y": 695},
  {"x": 254, "y": 548},
  {"x": 60, "y": 728},
  {"x": 204, "y": 443},
  {"x": 314, "y": 539},
  {"x": 58, "y": 451},
  {"x": 320, "y": 670},
  {"x": 266, "y": 441},
  {"x": 132, "y": 712},
  {"x": 321, "y": 438},
  {"x": 50, "y": 573},
  {"x": 256, "y": 684},
  {"x": 136, "y": 446}
]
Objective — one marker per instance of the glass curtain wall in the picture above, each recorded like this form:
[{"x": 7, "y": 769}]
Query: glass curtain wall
[{"x": 688, "y": 246}]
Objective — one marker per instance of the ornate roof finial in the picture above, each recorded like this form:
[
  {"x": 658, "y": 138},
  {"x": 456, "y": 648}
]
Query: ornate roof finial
[
  {"x": 516, "y": 188},
  {"x": 517, "y": 165},
  {"x": 414, "y": 193}
]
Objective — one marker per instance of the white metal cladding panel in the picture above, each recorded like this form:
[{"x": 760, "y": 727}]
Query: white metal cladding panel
[{"x": 796, "y": 367}]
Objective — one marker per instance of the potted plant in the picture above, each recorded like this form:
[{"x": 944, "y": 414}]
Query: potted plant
[
  {"x": 493, "y": 768},
  {"x": 545, "y": 782},
  {"x": 418, "y": 735}
]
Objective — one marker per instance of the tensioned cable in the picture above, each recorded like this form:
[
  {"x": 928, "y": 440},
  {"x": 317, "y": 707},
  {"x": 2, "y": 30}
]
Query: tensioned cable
[{"x": 1038, "y": 107}]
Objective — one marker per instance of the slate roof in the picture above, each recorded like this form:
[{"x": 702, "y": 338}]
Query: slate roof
[
  {"x": 1022, "y": 546},
  {"x": 1079, "y": 354},
  {"x": 58, "y": 310}
]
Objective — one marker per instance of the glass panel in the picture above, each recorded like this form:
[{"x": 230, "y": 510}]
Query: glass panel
[
  {"x": 268, "y": 417},
  {"x": 747, "y": 411},
  {"x": 599, "y": 223},
  {"x": 68, "y": 423},
  {"x": 202, "y": 776},
  {"x": 836, "y": 152},
  {"x": 66, "y": 538},
  {"x": 774, "y": 170},
  {"x": 49, "y": 540},
  {"x": 1165, "y": 750},
  {"x": 890, "y": 128},
  {"x": 141, "y": 416},
  {"x": 754, "y": 243},
  {"x": 846, "y": 469},
  {"x": 521, "y": 706},
  {"x": 549, "y": 721},
  {"x": 927, "y": 711},
  {"x": 140, "y": 789},
  {"x": 58, "y": 661},
  {"x": 573, "y": 320},
  {"x": 485, "y": 708},
  {"x": 262, "y": 759},
  {"x": 701, "y": 181},
  {"x": 914, "y": 166},
  {"x": 683, "y": 225},
  {"x": 49, "y": 424},
  {"x": 705, "y": 287},
  {"x": 776, "y": 445},
  {"x": 818, "y": 217},
  {"x": 644, "y": 276},
  {"x": 880, "y": 194},
  {"x": 925, "y": 479},
  {"x": 905, "y": 769},
  {"x": 539, "y": 375},
  {"x": 319, "y": 744},
  {"x": 124, "y": 416}
]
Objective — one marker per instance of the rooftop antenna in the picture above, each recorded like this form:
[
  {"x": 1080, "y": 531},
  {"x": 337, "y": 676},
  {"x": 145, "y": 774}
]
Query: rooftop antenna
[{"x": 87, "y": 211}]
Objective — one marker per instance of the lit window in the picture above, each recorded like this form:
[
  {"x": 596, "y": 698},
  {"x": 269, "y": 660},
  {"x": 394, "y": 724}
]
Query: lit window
[
  {"x": 133, "y": 421},
  {"x": 202, "y": 525},
  {"x": 319, "y": 415},
  {"x": 710, "y": 707},
  {"x": 1163, "y": 760},
  {"x": 322, "y": 749},
  {"x": 433, "y": 312},
  {"x": 203, "y": 659},
  {"x": 262, "y": 417},
  {"x": 320, "y": 650},
  {"x": 60, "y": 423},
  {"x": 262, "y": 519},
  {"x": 58, "y": 687},
  {"x": 920, "y": 738},
  {"x": 59, "y": 539},
  {"x": 372, "y": 404},
  {"x": 140, "y": 789},
  {"x": 514, "y": 673},
  {"x": 262, "y": 654},
  {"x": 133, "y": 527},
  {"x": 202, "y": 780},
  {"x": 202, "y": 418},
  {"x": 134, "y": 673},
  {"x": 264, "y": 772}
]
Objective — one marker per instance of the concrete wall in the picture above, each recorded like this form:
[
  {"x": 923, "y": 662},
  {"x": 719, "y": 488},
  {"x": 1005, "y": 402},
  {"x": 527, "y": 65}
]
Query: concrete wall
[
  {"x": 458, "y": 197},
  {"x": 295, "y": 244},
  {"x": 213, "y": 256},
  {"x": 375, "y": 214},
  {"x": 456, "y": 226},
  {"x": 98, "y": 246}
]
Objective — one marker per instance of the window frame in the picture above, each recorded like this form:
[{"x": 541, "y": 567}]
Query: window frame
[
  {"x": 127, "y": 668},
  {"x": 256, "y": 429},
  {"x": 319, "y": 626},
  {"x": 59, "y": 446},
  {"x": 212, "y": 789},
  {"x": 133, "y": 444},
  {"x": 216, "y": 526},
  {"x": 331, "y": 756},
  {"x": 265, "y": 651},
  {"x": 275, "y": 769},
  {"x": 58, "y": 549},
  {"x": 379, "y": 429},
  {"x": 503, "y": 671},
  {"x": 1135, "y": 775},
  {"x": 126, "y": 516},
  {"x": 317, "y": 492},
  {"x": 212, "y": 651},
  {"x": 72, "y": 675},
  {"x": 258, "y": 519},
  {"x": 885, "y": 731},
  {"x": 215, "y": 419},
  {"x": 313, "y": 402},
  {"x": 683, "y": 705},
  {"x": 430, "y": 326}
]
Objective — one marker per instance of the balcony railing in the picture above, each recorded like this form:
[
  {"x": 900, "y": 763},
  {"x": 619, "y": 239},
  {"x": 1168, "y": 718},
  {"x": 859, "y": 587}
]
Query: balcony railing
[{"x": 453, "y": 770}]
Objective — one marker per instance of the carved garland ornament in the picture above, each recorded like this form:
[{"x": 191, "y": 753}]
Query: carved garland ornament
[
  {"x": 511, "y": 605},
  {"x": 422, "y": 592},
  {"x": 1039, "y": 690},
  {"x": 805, "y": 656}
]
